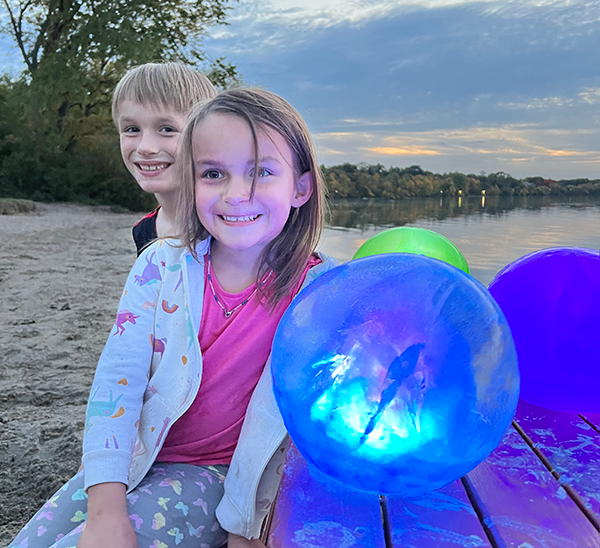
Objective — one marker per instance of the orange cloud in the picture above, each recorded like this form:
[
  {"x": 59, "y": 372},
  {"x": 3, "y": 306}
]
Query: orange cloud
[
  {"x": 403, "y": 151},
  {"x": 551, "y": 152}
]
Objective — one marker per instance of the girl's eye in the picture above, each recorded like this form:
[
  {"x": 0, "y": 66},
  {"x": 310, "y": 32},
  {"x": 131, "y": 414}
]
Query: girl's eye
[
  {"x": 262, "y": 172},
  {"x": 212, "y": 174}
]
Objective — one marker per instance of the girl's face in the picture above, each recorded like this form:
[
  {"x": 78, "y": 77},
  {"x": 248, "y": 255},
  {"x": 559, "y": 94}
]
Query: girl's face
[{"x": 223, "y": 150}]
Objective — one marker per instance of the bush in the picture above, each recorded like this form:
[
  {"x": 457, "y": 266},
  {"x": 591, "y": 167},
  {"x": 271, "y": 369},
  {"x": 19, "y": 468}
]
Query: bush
[{"x": 10, "y": 206}]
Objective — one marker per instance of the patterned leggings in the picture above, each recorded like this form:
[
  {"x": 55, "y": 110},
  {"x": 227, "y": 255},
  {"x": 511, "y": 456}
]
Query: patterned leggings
[{"x": 173, "y": 506}]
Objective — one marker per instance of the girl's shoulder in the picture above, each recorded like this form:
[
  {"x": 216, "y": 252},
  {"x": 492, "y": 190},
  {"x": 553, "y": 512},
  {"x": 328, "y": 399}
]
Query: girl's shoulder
[
  {"x": 327, "y": 262},
  {"x": 170, "y": 251}
]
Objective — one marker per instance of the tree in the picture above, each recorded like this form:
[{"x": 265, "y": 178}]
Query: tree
[
  {"x": 74, "y": 52},
  {"x": 94, "y": 32},
  {"x": 79, "y": 49}
]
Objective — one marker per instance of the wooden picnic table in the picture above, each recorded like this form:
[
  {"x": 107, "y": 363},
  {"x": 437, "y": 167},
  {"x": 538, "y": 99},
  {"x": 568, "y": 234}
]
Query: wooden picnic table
[{"x": 539, "y": 489}]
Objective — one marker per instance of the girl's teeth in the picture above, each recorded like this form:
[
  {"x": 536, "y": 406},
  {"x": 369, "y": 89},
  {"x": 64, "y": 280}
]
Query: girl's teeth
[
  {"x": 153, "y": 168},
  {"x": 235, "y": 219}
]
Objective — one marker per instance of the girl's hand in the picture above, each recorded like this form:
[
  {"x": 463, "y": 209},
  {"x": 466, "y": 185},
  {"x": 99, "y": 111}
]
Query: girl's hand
[
  {"x": 113, "y": 533},
  {"x": 108, "y": 521},
  {"x": 236, "y": 541}
]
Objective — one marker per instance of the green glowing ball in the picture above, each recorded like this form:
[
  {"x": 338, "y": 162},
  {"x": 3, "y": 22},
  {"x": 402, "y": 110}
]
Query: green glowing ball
[{"x": 411, "y": 239}]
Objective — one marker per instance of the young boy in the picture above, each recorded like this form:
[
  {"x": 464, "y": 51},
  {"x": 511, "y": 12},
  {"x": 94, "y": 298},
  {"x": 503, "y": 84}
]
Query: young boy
[{"x": 150, "y": 105}]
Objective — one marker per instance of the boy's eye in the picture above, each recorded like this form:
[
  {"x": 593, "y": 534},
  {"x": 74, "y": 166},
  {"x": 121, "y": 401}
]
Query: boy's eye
[
  {"x": 131, "y": 129},
  {"x": 168, "y": 129},
  {"x": 212, "y": 174}
]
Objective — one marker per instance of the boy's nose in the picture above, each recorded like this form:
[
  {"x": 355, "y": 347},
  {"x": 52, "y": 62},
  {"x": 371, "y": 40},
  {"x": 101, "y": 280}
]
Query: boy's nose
[{"x": 147, "y": 145}]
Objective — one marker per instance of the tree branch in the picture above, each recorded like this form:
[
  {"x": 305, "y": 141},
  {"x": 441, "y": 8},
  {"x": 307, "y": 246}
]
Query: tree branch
[
  {"x": 40, "y": 40},
  {"x": 17, "y": 28}
]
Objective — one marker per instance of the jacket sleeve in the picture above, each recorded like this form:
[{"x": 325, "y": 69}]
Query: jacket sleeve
[{"x": 121, "y": 378}]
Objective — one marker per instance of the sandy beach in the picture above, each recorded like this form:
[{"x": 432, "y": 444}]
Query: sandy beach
[{"x": 62, "y": 269}]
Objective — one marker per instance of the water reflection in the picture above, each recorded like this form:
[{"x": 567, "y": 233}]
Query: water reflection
[
  {"x": 491, "y": 231},
  {"x": 383, "y": 213}
]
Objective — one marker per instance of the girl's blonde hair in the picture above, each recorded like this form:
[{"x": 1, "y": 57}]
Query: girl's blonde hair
[
  {"x": 169, "y": 85},
  {"x": 288, "y": 254}
]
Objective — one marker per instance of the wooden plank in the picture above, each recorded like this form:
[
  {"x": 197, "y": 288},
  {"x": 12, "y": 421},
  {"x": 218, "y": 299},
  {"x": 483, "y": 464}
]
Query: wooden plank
[
  {"x": 593, "y": 420},
  {"x": 572, "y": 449},
  {"x": 441, "y": 518},
  {"x": 321, "y": 513},
  {"x": 523, "y": 505}
]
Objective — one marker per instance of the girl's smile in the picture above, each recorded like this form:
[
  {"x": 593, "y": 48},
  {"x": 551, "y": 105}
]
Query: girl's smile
[
  {"x": 224, "y": 162},
  {"x": 243, "y": 219}
]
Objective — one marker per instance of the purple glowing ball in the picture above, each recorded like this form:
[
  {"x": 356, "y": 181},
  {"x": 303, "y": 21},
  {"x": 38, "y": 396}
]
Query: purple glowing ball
[{"x": 551, "y": 300}]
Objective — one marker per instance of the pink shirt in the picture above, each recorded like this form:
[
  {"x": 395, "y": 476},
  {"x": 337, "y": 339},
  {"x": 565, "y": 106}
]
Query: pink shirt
[{"x": 234, "y": 353}]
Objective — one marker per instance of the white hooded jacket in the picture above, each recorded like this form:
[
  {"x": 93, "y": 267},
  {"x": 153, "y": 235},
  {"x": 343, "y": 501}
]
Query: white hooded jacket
[{"x": 149, "y": 374}]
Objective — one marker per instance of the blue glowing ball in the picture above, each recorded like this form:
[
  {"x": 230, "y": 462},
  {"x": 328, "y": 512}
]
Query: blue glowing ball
[
  {"x": 551, "y": 299},
  {"x": 395, "y": 374}
]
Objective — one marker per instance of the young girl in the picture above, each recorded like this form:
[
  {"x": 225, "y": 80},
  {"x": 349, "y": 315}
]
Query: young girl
[{"x": 183, "y": 442}]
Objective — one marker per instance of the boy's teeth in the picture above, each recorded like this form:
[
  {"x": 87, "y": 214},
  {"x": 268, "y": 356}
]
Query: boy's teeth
[
  {"x": 245, "y": 218},
  {"x": 153, "y": 168}
]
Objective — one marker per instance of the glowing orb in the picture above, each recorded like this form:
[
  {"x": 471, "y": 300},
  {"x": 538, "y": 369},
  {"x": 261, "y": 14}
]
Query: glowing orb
[
  {"x": 411, "y": 239},
  {"x": 551, "y": 300},
  {"x": 395, "y": 374}
]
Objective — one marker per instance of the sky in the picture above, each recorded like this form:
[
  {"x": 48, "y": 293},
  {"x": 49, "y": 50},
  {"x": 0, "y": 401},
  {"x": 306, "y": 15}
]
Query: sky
[{"x": 450, "y": 85}]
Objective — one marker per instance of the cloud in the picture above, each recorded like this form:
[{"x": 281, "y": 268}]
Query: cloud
[
  {"x": 258, "y": 26},
  {"x": 319, "y": 14},
  {"x": 550, "y": 152},
  {"x": 529, "y": 149},
  {"x": 590, "y": 96},
  {"x": 538, "y": 103},
  {"x": 402, "y": 151},
  {"x": 424, "y": 65}
]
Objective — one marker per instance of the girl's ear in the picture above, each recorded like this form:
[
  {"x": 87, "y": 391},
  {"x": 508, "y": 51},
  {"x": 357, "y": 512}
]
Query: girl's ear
[{"x": 304, "y": 188}]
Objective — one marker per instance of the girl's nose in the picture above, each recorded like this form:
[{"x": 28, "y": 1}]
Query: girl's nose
[{"x": 238, "y": 189}]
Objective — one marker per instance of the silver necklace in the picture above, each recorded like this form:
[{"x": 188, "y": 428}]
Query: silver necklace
[{"x": 228, "y": 313}]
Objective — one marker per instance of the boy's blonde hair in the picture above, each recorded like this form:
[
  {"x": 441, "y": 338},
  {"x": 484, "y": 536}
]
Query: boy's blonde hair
[
  {"x": 169, "y": 85},
  {"x": 288, "y": 254}
]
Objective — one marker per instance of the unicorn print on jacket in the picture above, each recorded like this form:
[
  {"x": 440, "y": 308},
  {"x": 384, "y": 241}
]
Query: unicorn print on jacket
[
  {"x": 150, "y": 274},
  {"x": 103, "y": 408},
  {"x": 124, "y": 316}
]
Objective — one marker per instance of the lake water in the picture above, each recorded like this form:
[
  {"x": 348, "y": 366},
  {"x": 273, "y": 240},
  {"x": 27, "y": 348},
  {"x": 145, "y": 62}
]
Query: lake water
[{"x": 491, "y": 231}]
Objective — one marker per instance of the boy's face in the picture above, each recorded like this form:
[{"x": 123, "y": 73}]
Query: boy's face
[{"x": 149, "y": 140}]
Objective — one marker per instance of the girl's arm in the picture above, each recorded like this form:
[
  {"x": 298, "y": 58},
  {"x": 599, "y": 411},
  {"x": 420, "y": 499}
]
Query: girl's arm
[
  {"x": 121, "y": 378},
  {"x": 108, "y": 522}
]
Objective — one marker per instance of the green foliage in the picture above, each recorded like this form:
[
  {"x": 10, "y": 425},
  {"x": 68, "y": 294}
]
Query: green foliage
[
  {"x": 81, "y": 163},
  {"x": 57, "y": 138},
  {"x": 374, "y": 181}
]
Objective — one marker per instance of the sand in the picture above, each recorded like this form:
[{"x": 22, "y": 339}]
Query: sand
[{"x": 62, "y": 270}]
